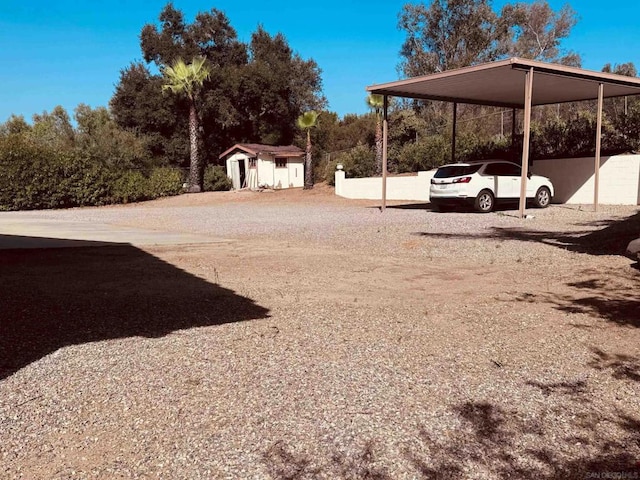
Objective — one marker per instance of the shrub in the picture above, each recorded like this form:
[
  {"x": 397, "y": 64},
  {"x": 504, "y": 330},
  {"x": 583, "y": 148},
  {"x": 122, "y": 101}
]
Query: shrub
[
  {"x": 216, "y": 179},
  {"x": 36, "y": 176},
  {"x": 130, "y": 186},
  {"x": 424, "y": 154},
  {"x": 358, "y": 162},
  {"x": 164, "y": 182},
  {"x": 497, "y": 148},
  {"x": 133, "y": 186}
]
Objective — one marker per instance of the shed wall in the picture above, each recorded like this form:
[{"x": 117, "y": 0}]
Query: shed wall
[
  {"x": 265, "y": 173},
  {"x": 296, "y": 172}
]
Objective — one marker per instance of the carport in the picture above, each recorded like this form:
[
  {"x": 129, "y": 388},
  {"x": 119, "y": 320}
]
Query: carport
[{"x": 513, "y": 83}]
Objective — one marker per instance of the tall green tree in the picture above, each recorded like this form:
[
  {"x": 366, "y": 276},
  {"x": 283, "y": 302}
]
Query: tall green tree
[
  {"x": 376, "y": 103},
  {"x": 187, "y": 79},
  {"x": 139, "y": 105},
  {"x": 15, "y": 125},
  {"x": 277, "y": 86},
  {"x": 100, "y": 138},
  {"x": 536, "y": 31},
  {"x": 54, "y": 128},
  {"x": 448, "y": 34},
  {"x": 254, "y": 94},
  {"x": 306, "y": 122},
  {"x": 210, "y": 36},
  {"x": 624, "y": 113}
]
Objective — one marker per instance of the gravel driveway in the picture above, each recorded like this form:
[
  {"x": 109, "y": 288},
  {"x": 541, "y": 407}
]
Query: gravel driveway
[{"x": 324, "y": 339}]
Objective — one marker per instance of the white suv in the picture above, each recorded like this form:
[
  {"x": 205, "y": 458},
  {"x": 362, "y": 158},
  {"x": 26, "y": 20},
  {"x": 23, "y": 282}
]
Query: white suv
[{"x": 483, "y": 184}]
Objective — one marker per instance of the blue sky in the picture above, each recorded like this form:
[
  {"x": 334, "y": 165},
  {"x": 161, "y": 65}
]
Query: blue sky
[{"x": 63, "y": 52}]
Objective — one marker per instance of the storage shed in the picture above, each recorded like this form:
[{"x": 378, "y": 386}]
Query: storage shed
[{"x": 252, "y": 165}]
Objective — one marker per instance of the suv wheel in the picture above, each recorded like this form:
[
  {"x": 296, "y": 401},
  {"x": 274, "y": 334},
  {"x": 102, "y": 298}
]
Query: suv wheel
[
  {"x": 484, "y": 201},
  {"x": 542, "y": 198}
]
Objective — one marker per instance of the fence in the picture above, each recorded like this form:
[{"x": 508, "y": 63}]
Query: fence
[
  {"x": 573, "y": 180},
  {"x": 414, "y": 187}
]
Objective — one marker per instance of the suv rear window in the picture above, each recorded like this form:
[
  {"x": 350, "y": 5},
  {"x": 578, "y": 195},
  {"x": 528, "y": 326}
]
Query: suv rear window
[{"x": 456, "y": 170}]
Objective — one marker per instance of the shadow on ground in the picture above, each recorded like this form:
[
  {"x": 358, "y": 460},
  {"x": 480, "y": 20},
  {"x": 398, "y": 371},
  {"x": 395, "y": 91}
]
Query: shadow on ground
[
  {"x": 447, "y": 210},
  {"x": 496, "y": 441},
  {"x": 504, "y": 443},
  {"x": 621, "y": 367},
  {"x": 611, "y": 238},
  {"x": 612, "y": 298},
  {"x": 412, "y": 206},
  {"x": 53, "y": 297}
]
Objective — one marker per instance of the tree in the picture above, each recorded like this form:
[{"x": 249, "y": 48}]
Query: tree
[
  {"x": 449, "y": 34},
  {"x": 277, "y": 86},
  {"x": 15, "y": 125},
  {"x": 624, "y": 113},
  {"x": 139, "y": 105},
  {"x": 100, "y": 138},
  {"x": 54, "y": 129},
  {"x": 254, "y": 94},
  {"x": 627, "y": 69},
  {"x": 209, "y": 36},
  {"x": 187, "y": 79},
  {"x": 536, "y": 31},
  {"x": 306, "y": 122},
  {"x": 376, "y": 103}
]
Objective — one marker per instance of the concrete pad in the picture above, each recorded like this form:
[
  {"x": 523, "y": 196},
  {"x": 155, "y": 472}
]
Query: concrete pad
[{"x": 18, "y": 232}]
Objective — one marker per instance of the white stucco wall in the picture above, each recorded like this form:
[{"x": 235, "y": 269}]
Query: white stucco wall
[
  {"x": 574, "y": 178},
  {"x": 415, "y": 187}
]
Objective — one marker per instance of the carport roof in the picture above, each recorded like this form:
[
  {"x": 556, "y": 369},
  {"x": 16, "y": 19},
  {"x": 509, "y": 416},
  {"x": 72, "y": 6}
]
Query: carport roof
[{"x": 501, "y": 84}]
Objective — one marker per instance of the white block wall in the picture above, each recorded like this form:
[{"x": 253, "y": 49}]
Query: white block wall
[
  {"x": 574, "y": 178},
  {"x": 415, "y": 187}
]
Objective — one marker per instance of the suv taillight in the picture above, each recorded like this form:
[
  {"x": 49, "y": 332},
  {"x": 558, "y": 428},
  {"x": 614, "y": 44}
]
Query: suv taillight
[{"x": 462, "y": 180}]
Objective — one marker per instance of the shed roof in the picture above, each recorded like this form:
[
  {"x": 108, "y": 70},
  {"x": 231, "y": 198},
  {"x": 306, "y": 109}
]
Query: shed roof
[
  {"x": 257, "y": 148},
  {"x": 501, "y": 84}
]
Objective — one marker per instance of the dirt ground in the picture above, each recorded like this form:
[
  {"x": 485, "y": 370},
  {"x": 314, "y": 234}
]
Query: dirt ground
[{"x": 298, "y": 355}]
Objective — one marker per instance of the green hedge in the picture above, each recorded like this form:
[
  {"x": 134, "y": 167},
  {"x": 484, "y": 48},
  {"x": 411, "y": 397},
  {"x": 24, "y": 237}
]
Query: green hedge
[{"x": 41, "y": 177}]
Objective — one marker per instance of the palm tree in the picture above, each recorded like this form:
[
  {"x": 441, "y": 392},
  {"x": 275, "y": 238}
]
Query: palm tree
[
  {"x": 186, "y": 79},
  {"x": 307, "y": 121},
  {"x": 376, "y": 103}
]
